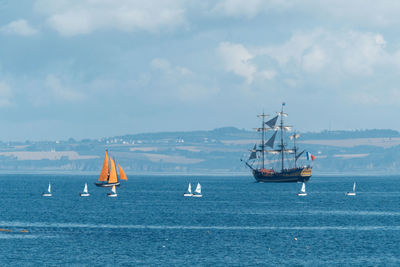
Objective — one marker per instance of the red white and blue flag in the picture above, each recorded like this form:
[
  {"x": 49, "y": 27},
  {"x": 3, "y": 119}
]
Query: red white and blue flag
[{"x": 310, "y": 156}]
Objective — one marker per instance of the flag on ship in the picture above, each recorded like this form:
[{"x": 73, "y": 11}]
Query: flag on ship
[{"x": 310, "y": 156}]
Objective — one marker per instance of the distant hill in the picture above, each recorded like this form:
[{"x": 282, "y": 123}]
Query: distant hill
[{"x": 214, "y": 151}]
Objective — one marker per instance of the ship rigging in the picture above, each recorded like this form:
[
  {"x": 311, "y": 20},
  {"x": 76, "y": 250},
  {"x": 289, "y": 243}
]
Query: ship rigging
[{"x": 284, "y": 172}]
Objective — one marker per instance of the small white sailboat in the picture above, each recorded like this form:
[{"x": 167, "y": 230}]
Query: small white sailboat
[
  {"x": 197, "y": 192},
  {"x": 354, "y": 191},
  {"x": 48, "y": 193},
  {"x": 85, "y": 192},
  {"x": 189, "y": 191},
  {"x": 113, "y": 192},
  {"x": 302, "y": 192}
]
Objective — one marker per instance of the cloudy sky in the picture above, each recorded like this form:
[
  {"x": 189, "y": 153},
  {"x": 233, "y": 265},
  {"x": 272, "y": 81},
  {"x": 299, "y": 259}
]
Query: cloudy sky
[{"x": 88, "y": 69}]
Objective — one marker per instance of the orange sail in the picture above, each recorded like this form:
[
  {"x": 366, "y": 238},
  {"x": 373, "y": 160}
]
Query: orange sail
[
  {"x": 113, "y": 173},
  {"x": 122, "y": 174},
  {"x": 104, "y": 172}
]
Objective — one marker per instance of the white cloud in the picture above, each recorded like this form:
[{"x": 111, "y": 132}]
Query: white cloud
[
  {"x": 236, "y": 59},
  {"x": 249, "y": 8},
  {"x": 180, "y": 83},
  {"x": 6, "y": 95},
  {"x": 347, "y": 52},
  {"x": 58, "y": 91},
  {"x": 19, "y": 27},
  {"x": 368, "y": 12},
  {"x": 85, "y": 16},
  {"x": 314, "y": 60},
  {"x": 165, "y": 65}
]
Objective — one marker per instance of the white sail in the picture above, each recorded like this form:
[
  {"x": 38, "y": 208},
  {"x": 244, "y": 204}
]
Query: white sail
[
  {"x": 49, "y": 189},
  {"x": 354, "y": 187},
  {"x": 85, "y": 188},
  {"x": 303, "y": 188},
  {"x": 190, "y": 188},
  {"x": 198, "y": 188},
  {"x": 113, "y": 189}
]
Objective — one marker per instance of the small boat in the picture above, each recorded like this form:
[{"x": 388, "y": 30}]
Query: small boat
[
  {"x": 108, "y": 176},
  {"x": 197, "y": 192},
  {"x": 113, "y": 192},
  {"x": 354, "y": 191},
  {"x": 189, "y": 191},
  {"x": 48, "y": 193},
  {"x": 85, "y": 192},
  {"x": 302, "y": 192}
]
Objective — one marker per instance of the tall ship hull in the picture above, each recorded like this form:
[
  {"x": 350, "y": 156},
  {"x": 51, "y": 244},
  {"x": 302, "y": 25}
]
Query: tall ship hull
[
  {"x": 282, "y": 156},
  {"x": 295, "y": 175}
]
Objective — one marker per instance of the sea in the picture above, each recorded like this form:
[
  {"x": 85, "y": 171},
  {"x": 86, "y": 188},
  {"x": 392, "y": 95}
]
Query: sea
[{"x": 237, "y": 222}]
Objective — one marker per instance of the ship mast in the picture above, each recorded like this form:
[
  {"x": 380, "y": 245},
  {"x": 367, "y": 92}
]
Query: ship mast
[
  {"x": 282, "y": 144},
  {"x": 295, "y": 149},
  {"x": 263, "y": 116}
]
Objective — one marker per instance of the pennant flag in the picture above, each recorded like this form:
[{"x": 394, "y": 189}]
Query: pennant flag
[{"x": 309, "y": 156}]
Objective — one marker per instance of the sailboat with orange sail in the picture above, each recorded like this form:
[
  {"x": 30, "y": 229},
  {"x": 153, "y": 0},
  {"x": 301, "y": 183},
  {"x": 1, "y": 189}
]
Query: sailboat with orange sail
[{"x": 108, "y": 176}]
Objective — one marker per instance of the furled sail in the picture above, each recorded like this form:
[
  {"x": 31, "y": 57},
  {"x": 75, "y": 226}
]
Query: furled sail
[
  {"x": 253, "y": 154},
  {"x": 122, "y": 174},
  {"x": 286, "y": 128},
  {"x": 104, "y": 171},
  {"x": 271, "y": 141},
  {"x": 272, "y": 122},
  {"x": 261, "y": 129},
  {"x": 282, "y": 114},
  {"x": 277, "y": 151},
  {"x": 113, "y": 173},
  {"x": 294, "y": 136}
]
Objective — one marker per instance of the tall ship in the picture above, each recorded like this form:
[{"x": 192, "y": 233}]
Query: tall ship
[
  {"x": 280, "y": 156},
  {"x": 108, "y": 176}
]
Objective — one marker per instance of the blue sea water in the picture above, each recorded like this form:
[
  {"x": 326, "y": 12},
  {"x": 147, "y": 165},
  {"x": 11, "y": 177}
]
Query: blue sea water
[{"x": 237, "y": 222}]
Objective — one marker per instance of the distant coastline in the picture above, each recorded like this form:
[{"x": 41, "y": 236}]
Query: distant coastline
[{"x": 214, "y": 152}]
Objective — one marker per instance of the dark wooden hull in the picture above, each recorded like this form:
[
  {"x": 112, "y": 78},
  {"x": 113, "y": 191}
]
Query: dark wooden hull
[
  {"x": 295, "y": 175},
  {"x": 107, "y": 184}
]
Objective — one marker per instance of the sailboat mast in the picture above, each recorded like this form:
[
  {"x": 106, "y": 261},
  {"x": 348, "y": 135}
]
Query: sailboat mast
[
  {"x": 295, "y": 149},
  {"x": 282, "y": 145},
  {"x": 262, "y": 143}
]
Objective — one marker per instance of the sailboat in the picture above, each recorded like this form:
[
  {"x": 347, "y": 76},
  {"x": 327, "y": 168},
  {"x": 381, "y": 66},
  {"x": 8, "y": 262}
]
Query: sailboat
[
  {"x": 302, "y": 192},
  {"x": 48, "y": 193},
  {"x": 354, "y": 191},
  {"x": 197, "y": 192},
  {"x": 85, "y": 192},
  {"x": 108, "y": 176},
  {"x": 113, "y": 192},
  {"x": 189, "y": 191},
  {"x": 286, "y": 170}
]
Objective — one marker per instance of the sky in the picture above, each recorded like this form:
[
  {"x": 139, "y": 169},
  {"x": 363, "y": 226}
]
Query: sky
[{"x": 91, "y": 69}]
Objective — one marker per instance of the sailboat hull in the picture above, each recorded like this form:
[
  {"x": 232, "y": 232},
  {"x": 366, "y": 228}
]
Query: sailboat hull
[
  {"x": 112, "y": 195},
  {"x": 47, "y": 194},
  {"x": 295, "y": 175},
  {"x": 107, "y": 184},
  {"x": 195, "y": 195},
  {"x": 84, "y": 194}
]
